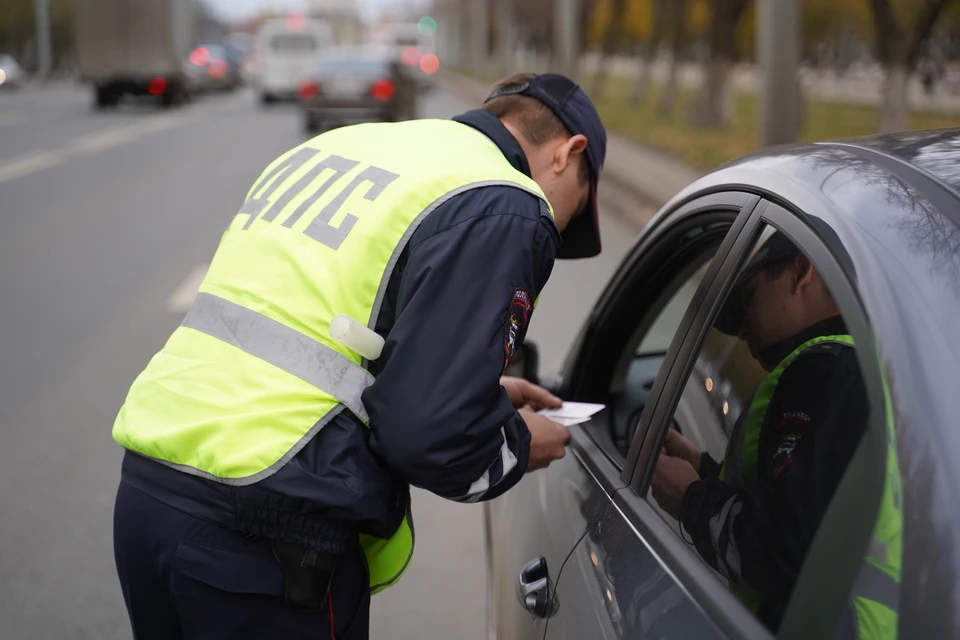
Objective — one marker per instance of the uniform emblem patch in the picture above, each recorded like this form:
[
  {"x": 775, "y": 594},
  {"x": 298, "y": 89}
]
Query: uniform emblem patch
[{"x": 515, "y": 327}]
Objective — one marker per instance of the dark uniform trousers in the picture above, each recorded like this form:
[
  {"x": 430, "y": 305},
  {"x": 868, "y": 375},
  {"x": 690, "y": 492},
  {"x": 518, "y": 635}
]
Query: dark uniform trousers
[{"x": 183, "y": 577}]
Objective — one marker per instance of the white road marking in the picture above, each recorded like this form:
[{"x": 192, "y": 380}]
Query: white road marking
[
  {"x": 183, "y": 296},
  {"x": 26, "y": 164},
  {"x": 89, "y": 143},
  {"x": 101, "y": 140}
]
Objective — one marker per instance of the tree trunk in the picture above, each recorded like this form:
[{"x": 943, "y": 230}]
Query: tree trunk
[
  {"x": 712, "y": 105},
  {"x": 668, "y": 98},
  {"x": 894, "y": 109},
  {"x": 639, "y": 92},
  {"x": 609, "y": 39}
]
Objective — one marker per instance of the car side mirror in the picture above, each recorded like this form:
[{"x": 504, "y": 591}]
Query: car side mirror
[{"x": 525, "y": 363}]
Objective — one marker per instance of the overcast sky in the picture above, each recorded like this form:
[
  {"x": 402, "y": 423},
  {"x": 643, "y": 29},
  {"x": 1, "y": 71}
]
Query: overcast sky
[{"x": 233, "y": 9}]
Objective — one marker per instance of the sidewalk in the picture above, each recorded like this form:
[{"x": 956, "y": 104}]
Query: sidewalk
[{"x": 649, "y": 176}]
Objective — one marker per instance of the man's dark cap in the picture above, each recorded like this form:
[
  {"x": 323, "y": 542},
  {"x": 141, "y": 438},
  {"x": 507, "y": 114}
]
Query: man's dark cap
[
  {"x": 776, "y": 249},
  {"x": 581, "y": 238}
]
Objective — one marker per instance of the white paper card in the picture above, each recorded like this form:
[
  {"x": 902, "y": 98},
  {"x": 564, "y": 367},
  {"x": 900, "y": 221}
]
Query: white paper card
[{"x": 572, "y": 412}]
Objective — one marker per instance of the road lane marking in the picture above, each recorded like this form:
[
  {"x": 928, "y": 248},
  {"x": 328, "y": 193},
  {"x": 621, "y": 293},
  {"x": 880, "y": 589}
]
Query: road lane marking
[
  {"x": 101, "y": 140},
  {"x": 183, "y": 296},
  {"x": 89, "y": 143},
  {"x": 27, "y": 164}
]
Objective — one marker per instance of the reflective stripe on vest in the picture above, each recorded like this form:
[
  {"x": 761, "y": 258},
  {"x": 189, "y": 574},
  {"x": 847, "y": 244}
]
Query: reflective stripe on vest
[
  {"x": 252, "y": 374},
  {"x": 281, "y": 346},
  {"x": 875, "y": 594}
]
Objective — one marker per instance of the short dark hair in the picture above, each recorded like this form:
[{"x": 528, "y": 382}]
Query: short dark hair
[{"x": 536, "y": 121}]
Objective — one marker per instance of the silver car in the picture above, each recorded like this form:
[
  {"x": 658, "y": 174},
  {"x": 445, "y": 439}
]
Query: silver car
[{"x": 584, "y": 549}]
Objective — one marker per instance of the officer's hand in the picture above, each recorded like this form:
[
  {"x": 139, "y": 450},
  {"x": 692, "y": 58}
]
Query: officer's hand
[
  {"x": 679, "y": 447},
  {"x": 670, "y": 480},
  {"x": 523, "y": 393},
  {"x": 548, "y": 439}
]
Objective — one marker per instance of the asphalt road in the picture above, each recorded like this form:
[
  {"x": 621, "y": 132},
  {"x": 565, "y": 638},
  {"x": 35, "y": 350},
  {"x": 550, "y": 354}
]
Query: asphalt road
[{"x": 106, "y": 221}]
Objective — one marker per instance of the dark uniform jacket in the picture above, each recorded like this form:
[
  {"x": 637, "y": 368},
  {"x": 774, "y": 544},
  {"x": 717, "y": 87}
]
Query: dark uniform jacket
[
  {"x": 812, "y": 427},
  {"x": 457, "y": 304}
]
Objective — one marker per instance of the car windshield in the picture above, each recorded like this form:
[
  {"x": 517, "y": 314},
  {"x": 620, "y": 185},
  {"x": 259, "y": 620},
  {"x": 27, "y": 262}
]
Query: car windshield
[
  {"x": 358, "y": 65},
  {"x": 293, "y": 42}
]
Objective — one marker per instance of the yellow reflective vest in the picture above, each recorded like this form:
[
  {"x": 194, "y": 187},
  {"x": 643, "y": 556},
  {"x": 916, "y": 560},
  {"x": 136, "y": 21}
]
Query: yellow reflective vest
[
  {"x": 252, "y": 373},
  {"x": 876, "y": 591}
]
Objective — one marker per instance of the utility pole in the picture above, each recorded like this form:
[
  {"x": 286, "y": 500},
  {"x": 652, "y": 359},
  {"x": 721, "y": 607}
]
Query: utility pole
[
  {"x": 44, "y": 56},
  {"x": 566, "y": 37},
  {"x": 479, "y": 32},
  {"x": 504, "y": 35},
  {"x": 778, "y": 63}
]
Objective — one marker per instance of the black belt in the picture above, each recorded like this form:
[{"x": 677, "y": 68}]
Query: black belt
[{"x": 307, "y": 575}]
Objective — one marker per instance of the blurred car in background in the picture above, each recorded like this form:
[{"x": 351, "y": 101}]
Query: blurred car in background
[
  {"x": 212, "y": 67},
  {"x": 350, "y": 85},
  {"x": 286, "y": 52},
  {"x": 130, "y": 47},
  {"x": 11, "y": 75}
]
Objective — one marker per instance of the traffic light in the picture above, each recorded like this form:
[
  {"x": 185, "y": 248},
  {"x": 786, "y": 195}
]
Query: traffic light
[{"x": 427, "y": 26}]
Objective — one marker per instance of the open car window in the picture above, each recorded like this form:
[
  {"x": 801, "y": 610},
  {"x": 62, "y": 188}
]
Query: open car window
[
  {"x": 643, "y": 311},
  {"x": 765, "y": 422}
]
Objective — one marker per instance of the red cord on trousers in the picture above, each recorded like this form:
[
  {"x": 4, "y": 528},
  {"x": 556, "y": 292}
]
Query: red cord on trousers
[{"x": 330, "y": 605}]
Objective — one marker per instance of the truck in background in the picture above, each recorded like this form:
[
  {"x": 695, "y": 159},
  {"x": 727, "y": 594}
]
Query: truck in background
[{"x": 136, "y": 47}]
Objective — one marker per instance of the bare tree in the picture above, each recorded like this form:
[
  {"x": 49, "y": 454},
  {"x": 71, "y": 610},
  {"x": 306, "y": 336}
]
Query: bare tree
[
  {"x": 649, "y": 56},
  {"x": 678, "y": 26},
  {"x": 609, "y": 39},
  {"x": 708, "y": 109},
  {"x": 899, "y": 46}
]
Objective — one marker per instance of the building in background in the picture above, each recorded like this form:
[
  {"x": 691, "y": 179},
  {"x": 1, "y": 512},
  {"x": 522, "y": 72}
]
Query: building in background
[{"x": 342, "y": 16}]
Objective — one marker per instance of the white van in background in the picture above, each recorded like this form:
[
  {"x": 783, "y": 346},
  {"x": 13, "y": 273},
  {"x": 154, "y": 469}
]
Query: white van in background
[{"x": 287, "y": 50}]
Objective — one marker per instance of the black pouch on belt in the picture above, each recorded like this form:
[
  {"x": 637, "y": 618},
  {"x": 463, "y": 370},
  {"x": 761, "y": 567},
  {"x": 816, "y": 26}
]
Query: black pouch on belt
[{"x": 307, "y": 575}]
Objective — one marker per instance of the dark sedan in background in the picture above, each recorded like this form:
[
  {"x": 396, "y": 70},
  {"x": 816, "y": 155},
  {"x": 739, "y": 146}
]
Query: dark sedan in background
[
  {"x": 583, "y": 549},
  {"x": 356, "y": 85},
  {"x": 213, "y": 67}
]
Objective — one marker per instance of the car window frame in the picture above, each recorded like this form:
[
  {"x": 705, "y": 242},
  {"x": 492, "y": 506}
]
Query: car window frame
[
  {"x": 687, "y": 341},
  {"x": 855, "y": 504}
]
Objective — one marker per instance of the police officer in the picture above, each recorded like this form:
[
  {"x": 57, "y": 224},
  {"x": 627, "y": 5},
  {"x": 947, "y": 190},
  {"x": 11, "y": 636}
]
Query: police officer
[
  {"x": 265, "y": 483},
  {"x": 753, "y": 518}
]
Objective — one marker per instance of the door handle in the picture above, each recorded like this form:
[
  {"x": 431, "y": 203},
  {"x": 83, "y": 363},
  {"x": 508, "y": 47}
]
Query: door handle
[{"x": 534, "y": 589}]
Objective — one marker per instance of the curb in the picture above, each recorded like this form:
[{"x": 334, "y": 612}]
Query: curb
[{"x": 644, "y": 174}]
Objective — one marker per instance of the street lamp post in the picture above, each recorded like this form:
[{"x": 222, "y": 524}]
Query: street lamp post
[
  {"x": 44, "y": 56},
  {"x": 778, "y": 62},
  {"x": 566, "y": 37}
]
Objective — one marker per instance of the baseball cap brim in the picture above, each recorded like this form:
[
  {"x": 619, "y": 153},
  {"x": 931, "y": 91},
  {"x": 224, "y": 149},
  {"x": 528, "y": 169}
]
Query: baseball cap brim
[
  {"x": 775, "y": 249},
  {"x": 581, "y": 238}
]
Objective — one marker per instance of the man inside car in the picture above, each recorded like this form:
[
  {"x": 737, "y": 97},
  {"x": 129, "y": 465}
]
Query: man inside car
[{"x": 753, "y": 517}]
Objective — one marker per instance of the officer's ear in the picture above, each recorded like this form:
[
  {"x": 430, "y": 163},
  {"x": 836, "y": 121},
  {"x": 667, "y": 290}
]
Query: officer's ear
[
  {"x": 568, "y": 151},
  {"x": 804, "y": 273}
]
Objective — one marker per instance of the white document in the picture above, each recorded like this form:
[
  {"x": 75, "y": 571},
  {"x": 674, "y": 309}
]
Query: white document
[{"x": 572, "y": 412}]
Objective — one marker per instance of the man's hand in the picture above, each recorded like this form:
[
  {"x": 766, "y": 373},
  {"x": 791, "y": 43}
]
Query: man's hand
[
  {"x": 523, "y": 393},
  {"x": 670, "y": 481},
  {"x": 548, "y": 439},
  {"x": 677, "y": 446}
]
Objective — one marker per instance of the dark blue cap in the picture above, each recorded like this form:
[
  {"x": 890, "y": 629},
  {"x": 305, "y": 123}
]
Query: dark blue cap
[{"x": 581, "y": 238}]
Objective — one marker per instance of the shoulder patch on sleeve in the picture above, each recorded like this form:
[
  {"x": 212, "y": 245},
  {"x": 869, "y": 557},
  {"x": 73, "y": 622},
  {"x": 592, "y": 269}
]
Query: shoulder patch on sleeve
[{"x": 515, "y": 324}]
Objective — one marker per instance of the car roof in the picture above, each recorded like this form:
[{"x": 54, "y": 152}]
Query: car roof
[{"x": 893, "y": 202}]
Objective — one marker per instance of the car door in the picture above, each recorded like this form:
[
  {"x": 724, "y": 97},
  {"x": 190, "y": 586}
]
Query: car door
[
  {"x": 635, "y": 574},
  {"x": 607, "y": 584},
  {"x": 547, "y": 513}
]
